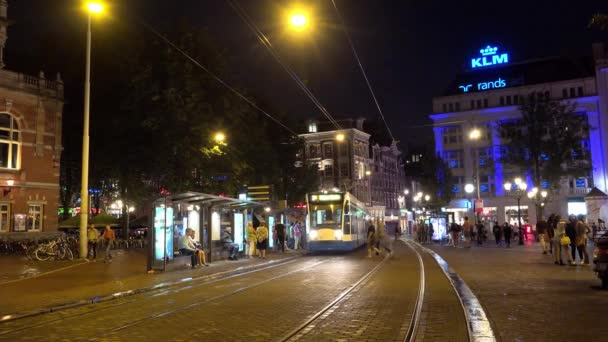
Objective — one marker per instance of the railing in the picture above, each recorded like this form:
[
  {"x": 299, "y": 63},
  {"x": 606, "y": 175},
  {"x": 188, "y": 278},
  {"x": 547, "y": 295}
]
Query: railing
[
  {"x": 578, "y": 191},
  {"x": 28, "y": 82}
]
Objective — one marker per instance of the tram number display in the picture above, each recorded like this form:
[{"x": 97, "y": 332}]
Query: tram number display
[{"x": 325, "y": 197}]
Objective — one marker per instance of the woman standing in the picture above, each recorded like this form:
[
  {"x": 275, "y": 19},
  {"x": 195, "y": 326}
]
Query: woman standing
[
  {"x": 561, "y": 246},
  {"x": 262, "y": 235},
  {"x": 252, "y": 240}
]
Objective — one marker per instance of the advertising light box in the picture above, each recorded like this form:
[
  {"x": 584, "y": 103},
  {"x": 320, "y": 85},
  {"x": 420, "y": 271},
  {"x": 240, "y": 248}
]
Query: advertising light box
[{"x": 163, "y": 237}]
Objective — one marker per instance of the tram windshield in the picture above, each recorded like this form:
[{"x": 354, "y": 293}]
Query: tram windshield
[{"x": 326, "y": 214}]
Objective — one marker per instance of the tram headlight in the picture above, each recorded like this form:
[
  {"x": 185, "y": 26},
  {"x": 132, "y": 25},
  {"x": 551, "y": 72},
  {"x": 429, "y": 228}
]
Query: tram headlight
[
  {"x": 313, "y": 234},
  {"x": 338, "y": 234}
]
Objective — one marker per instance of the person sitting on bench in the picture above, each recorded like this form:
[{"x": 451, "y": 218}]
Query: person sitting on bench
[
  {"x": 186, "y": 247},
  {"x": 228, "y": 244}
]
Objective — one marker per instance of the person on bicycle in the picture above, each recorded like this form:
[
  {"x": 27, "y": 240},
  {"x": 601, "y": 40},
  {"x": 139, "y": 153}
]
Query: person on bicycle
[
  {"x": 108, "y": 235},
  {"x": 92, "y": 235}
]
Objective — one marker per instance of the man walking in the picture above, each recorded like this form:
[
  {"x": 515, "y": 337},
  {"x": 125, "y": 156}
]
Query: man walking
[
  {"x": 108, "y": 235},
  {"x": 541, "y": 229},
  {"x": 92, "y": 236},
  {"x": 229, "y": 244},
  {"x": 496, "y": 230},
  {"x": 280, "y": 229},
  {"x": 466, "y": 227},
  {"x": 480, "y": 233},
  {"x": 506, "y": 232}
]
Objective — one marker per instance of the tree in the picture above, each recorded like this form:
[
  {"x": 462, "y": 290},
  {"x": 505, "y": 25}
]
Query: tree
[
  {"x": 434, "y": 176},
  {"x": 547, "y": 141},
  {"x": 600, "y": 21}
]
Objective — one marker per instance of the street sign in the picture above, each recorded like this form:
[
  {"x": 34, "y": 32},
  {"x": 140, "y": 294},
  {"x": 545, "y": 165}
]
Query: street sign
[
  {"x": 258, "y": 193},
  {"x": 478, "y": 205}
]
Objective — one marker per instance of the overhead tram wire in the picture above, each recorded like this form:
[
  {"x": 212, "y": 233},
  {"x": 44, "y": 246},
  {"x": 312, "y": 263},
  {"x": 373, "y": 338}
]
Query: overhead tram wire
[
  {"x": 268, "y": 45},
  {"x": 369, "y": 86},
  {"x": 217, "y": 78}
]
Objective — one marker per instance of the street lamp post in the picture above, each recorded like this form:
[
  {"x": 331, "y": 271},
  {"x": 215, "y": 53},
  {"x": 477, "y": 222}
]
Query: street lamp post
[
  {"x": 368, "y": 174},
  {"x": 474, "y": 135},
  {"x": 469, "y": 188},
  {"x": 517, "y": 189},
  {"x": 92, "y": 8}
]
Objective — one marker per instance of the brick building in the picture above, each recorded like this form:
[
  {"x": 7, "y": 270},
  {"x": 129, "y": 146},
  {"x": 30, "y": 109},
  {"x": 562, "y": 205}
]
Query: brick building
[{"x": 30, "y": 146}]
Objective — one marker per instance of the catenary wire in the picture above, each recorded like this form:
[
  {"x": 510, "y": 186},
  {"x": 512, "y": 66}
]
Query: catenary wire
[
  {"x": 217, "y": 78},
  {"x": 268, "y": 45},
  {"x": 369, "y": 86}
]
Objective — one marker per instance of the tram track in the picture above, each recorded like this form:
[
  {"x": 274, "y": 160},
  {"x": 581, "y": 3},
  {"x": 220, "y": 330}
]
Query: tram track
[{"x": 171, "y": 289}]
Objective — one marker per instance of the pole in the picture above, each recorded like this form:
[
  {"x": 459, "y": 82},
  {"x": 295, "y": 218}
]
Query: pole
[
  {"x": 521, "y": 238},
  {"x": 84, "y": 188},
  {"x": 477, "y": 181},
  {"x": 369, "y": 189}
]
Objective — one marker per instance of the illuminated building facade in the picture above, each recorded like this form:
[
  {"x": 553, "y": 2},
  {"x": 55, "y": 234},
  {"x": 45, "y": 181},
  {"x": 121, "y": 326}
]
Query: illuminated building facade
[
  {"x": 489, "y": 94},
  {"x": 31, "y": 110}
]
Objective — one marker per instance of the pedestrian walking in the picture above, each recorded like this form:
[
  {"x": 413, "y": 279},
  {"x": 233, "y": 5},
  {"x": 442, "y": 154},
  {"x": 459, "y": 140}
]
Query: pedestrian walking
[
  {"x": 541, "y": 229},
  {"x": 92, "y": 236},
  {"x": 371, "y": 243},
  {"x": 455, "y": 233},
  {"x": 582, "y": 229},
  {"x": 262, "y": 234},
  {"x": 507, "y": 231},
  {"x": 561, "y": 243},
  {"x": 496, "y": 230},
  {"x": 397, "y": 232},
  {"x": 466, "y": 227},
  {"x": 280, "y": 231},
  {"x": 552, "y": 224},
  {"x": 571, "y": 233},
  {"x": 109, "y": 237},
  {"x": 228, "y": 244},
  {"x": 297, "y": 234},
  {"x": 480, "y": 233},
  {"x": 251, "y": 240},
  {"x": 431, "y": 232}
]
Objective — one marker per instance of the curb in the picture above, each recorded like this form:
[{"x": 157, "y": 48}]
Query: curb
[
  {"x": 478, "y": 323},
  {"x": 105, "y": 298}
]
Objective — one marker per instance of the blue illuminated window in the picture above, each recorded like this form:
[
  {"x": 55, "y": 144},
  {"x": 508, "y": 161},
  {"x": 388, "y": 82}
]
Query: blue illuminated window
[
  {"x": 484, "y": 187},
  {"x": 544, "y": 156},
  {"x": 581, "y": 183},
  {"x": 545, "y": 184},
  {"x": 453, "y": 164},
  {"x": 456, "y": 189}
]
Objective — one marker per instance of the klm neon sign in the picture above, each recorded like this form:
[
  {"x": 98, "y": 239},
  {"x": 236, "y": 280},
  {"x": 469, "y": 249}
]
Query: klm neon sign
[
  {"x": 497, "y": 84},
  {"x": 489, "y": 57}
]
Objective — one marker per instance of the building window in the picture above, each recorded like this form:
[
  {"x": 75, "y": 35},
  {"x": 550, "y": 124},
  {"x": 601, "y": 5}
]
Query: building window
[
  {"x": 478, "y": 104},
  {"x": 572, "y": 92},
  {"x": 565, "y": 93},
  {"x": 580, "y": 91},
  {"x": 502, "y": 100},
  {"x": 10, "y": 145},
  {"x": 508, "y": 100},
  {"x": 453, "y": 159},
  {"x": 457, "y": 105},
  {"x": 458, "y": 187},
  {"x": 547, "y": 95},
  {"x": 486, "y": 184},
  {"x": 34, "y": 216},
  {"x": 312, "y": 127},
  {"x": 313, "y": 151},
  {"x": 445, "y": 107},
  {"x": 328, "y": 171},
  {"x": 472, "y": 104},
  {"x": 328, "y": 151},
  {"x": 452, "y": 135},
  {"x": 485, "y": 103},
  {"x": 5, "y": 214},
  {"x": 484, "y": 155},
  {"x": 343, "y": 170}
]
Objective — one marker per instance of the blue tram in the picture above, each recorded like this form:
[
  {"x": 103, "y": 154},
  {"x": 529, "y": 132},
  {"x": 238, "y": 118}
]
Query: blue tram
[{"x": 336, "y": 221}]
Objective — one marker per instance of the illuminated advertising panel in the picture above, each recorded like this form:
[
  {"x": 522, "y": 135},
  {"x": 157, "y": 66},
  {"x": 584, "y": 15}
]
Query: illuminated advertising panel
[
  {"x": 489, "y": 57},
  {"x": 238, "y": 229},
  {"x": 163, "y": 237}
]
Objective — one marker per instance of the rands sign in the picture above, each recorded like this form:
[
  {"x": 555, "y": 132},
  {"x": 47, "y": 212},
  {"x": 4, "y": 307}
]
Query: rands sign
[
  {"x": 499, "y": 83},
  {"x": 489, "y": 57}
]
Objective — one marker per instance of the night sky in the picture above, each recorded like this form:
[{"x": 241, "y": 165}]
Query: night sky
[{"x": 411, "y": 49}]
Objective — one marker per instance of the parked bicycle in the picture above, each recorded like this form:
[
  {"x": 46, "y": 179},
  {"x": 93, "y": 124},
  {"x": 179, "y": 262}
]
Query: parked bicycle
[{"x": 58, "y": 249}]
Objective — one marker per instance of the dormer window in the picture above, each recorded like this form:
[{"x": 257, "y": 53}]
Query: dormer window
[{"x": 312, "y": 127}]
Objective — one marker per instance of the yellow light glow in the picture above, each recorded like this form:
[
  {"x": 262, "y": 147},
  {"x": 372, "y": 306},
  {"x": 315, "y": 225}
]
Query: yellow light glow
[
  {"x": 340, "y": 137},
  {"x": 298, "y": 20},
  {"x": 475, "y": 134},
  {"x": 219, "y": 137},
  {"x": 94, "y": 7}
]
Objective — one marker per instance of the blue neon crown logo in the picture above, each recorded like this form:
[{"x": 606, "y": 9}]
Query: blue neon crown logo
[{"x": 488, "y": 51}]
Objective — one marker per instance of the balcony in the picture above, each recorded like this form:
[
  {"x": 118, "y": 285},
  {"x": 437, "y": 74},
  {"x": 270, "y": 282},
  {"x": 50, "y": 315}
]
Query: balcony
[
  {"x": 578, "y": 191},
  {"x": 31, "y": 84}
]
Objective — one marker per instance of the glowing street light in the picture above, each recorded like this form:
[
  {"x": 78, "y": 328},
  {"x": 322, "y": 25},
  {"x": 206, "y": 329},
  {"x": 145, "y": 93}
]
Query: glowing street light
[
  {"x": 475, "y": 134},
  {"x": 469, "y": 188},
  {"x": 298, "y": 20},
  {"x": 340, "y": 137},
  {"x": 427, "y": 198},
  {"x": 219, "y": 137}
]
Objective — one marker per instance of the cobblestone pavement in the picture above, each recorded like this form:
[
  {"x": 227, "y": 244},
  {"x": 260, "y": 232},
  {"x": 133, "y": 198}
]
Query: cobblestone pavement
[
  {"x": 257, "y": 306},
  {"x": 95, "y": 279},
  {"x": 527, "y": 297},
  {"x": 378, "y": 310}
]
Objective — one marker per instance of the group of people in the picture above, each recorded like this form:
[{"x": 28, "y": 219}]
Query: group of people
[
  {"x": 256, "y": 240},
  {"x": 424, "y": 232},
  {"x": 288, "y": 236},
  {"x": 564, "y": 238},
  {"x": 93, "y": 238}
]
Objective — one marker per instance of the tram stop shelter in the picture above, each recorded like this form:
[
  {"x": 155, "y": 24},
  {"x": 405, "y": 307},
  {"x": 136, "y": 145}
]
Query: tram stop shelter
[{"x": 208, "y": 215}]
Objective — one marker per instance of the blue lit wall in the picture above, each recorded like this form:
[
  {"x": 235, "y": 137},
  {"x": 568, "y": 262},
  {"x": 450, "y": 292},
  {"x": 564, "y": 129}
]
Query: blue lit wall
[{"x": 497, "y": 155}]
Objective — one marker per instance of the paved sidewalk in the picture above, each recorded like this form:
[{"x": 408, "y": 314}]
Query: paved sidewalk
[
  {"x": 76, "y": 281},
  {"x": 527, "y": 297}
]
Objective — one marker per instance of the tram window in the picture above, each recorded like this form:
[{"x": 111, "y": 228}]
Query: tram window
[{"x": 327, "y": 214}]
